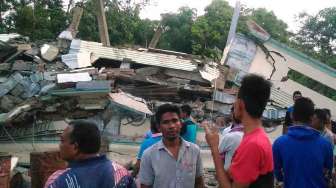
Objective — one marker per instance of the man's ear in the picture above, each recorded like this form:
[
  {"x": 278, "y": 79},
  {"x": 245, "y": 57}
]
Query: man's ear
[{"x": 76, "y": 147}]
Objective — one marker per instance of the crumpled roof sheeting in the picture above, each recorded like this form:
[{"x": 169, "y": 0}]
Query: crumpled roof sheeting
[
  {"x": 281, "y": 98},
  {"x": 146, "y": 58}
]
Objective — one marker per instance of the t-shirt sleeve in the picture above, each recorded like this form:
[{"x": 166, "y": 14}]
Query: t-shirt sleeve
[
  {"x": 199, "y": 166},
  {"x": 146, "y": 174},
  {"x": 245, "y": 164}
]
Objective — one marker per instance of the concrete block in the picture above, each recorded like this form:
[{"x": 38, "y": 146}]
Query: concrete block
[{"x": 49, "y": 52}]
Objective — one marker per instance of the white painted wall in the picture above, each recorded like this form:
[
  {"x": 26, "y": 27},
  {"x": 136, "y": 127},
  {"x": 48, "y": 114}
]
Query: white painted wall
[{"x": 261, "y": 66}]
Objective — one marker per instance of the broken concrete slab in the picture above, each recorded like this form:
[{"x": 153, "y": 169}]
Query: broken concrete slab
[
  {"x": 5, "y": 66},
  {"x": 73, "y": 77},
  {"x": 49, "y": 52},
  {"x": 178, "y": 80},
  {"x": 6, "y": 103},
  {"x": 20, "y": 65},
  {"x": 77, "y": 60},
  {"x": 94, "y": 85},
  {"x": 7, "y": 86},
  {"x": 37, "y": 77},
  {"x": 50, "y": 76},
  {"x": 6, "y": 51},
  {"x": 23, "y": 47},
  {"x": 18, "y": 90},
  {"x": 130, "y": 102},
  {"x": 147, "y": 71}
]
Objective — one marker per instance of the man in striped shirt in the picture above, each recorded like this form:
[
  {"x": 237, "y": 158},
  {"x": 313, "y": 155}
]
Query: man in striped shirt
[{"x": 80, "y": 144}]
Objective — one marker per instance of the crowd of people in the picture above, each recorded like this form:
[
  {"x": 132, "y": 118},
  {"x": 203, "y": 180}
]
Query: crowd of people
[{"x": 242, "y": 153}]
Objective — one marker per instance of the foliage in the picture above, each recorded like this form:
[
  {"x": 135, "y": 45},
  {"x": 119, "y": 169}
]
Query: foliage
[
  {"x": 317, "y": 36},
  {"x": 44, "y": 19},
  {"x": 209, "y": 33},
  {"x": 177, "y": 34}
]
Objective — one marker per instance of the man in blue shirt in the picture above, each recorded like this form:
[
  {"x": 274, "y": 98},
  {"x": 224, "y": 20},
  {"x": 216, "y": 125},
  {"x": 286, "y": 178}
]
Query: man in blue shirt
[
  {"x": 80, "y": 144},
  {"x": 288, "y": 118},
  {"x": 189, "y": 128},
  {"x": 302, "y": 157},
  {"x": 155, "y": 137}
]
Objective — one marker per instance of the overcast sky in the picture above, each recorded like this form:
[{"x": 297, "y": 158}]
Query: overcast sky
[{"x": 284, "y": 9}]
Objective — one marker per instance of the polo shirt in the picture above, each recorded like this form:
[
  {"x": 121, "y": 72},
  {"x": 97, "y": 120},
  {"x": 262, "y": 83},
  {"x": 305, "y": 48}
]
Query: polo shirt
[
  {"x": 253, "y": 161},
  {"x": 95, "y": 172},
  {"x": 159, "y": 168}
]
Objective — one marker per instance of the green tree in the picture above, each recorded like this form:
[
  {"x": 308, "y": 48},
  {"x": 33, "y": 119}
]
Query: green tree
[
  {"x": 209, "y": 33},
  {"x": 124, "y": 24},
  {"x": 177, "y": 32},
  {"x": 44, "y": 20},
  {"x": 317, "y": 36}
]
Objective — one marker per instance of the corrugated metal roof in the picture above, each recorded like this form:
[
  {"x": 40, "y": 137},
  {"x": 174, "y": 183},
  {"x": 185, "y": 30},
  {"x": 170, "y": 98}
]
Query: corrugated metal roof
[
  {"x": 281, "y": 98},
  {"x": 144, "y": 57}
]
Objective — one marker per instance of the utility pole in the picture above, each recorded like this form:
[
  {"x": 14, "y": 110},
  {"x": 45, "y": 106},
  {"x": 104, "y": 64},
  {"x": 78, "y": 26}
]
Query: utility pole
[{"x": 102, "y": 25}]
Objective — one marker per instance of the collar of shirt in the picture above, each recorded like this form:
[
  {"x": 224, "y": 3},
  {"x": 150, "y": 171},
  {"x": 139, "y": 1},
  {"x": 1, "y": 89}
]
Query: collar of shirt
[
  {"x": 92, "y": 160},
  {"x": 183, "y": 147},
  {"x": 238, "y": 127}
]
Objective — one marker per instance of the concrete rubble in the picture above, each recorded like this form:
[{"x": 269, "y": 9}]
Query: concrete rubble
[{"x": 75, "y": 79}]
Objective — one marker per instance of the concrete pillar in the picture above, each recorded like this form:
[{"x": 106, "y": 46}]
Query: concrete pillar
[{"x": 102, "y": 25}]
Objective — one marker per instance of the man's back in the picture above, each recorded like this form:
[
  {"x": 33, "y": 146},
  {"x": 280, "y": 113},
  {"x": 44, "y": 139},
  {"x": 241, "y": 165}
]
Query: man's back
[
  {"x": 97, "y": 172},
  {"x": 229, "y": 143},
  {"x": 253, "y": 163},
  {"x": 300, "y": 158}
]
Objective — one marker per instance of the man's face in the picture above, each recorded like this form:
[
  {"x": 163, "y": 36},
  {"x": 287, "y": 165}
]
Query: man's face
[
  {"x": 68, "y": 149},
  {"x": 296, "y": 97},
  {"x": 170, "y": 125}
]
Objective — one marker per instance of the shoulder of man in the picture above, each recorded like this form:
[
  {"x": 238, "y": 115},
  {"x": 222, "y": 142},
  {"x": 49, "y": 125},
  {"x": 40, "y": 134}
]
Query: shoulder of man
[
  {"x": 61, "y": 179},
  {"x": 150, "y": 150}
]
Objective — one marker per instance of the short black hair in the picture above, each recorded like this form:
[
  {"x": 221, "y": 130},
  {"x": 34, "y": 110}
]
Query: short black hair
[
  {"x": 86, "y": 134},
  {"x": 321, "y": 115},
  {"x": 186, "y": 109},
  {"x": 327, "y": 111},
  {"x": 153, "y": 125},
  {"x": 255, "y": 92},
  {"x": 164, "y": 109},
  {"x": 297, "y": 93},
  {"x": 303, "y": 110}
]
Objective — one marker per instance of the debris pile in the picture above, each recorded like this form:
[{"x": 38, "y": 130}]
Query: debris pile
[
  {"x": 80, "y": 79},
  {"x": 74, "y": 79}
]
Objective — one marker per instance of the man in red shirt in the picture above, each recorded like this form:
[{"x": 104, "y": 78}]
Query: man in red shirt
[{"x": 252, "y": 163}]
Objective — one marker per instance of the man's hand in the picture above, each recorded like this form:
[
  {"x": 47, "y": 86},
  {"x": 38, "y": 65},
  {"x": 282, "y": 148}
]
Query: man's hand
[{"x": 211, "y": 134}]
